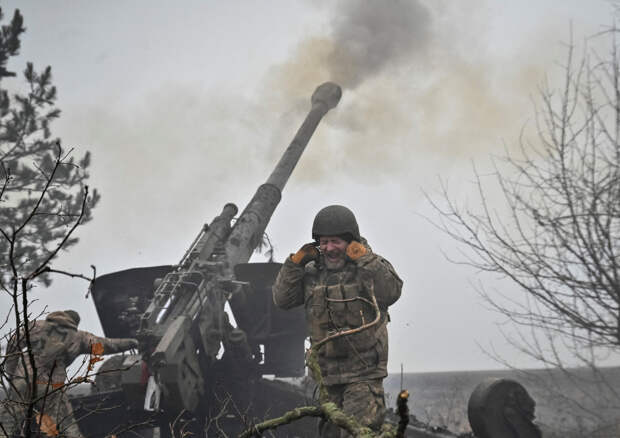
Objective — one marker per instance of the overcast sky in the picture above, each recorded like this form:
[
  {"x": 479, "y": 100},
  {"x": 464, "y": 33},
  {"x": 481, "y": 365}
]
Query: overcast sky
[{"x": 186, "y": 106}]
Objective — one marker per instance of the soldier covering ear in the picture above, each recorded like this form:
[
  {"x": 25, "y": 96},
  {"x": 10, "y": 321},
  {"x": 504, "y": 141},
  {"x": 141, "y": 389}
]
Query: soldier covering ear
[{"x": 338, "y": 287}]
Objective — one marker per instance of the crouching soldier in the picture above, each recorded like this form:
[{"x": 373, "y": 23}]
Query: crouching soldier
[
  {"x": 55, "y": 344},
  {"x": 346, "y": 290}
]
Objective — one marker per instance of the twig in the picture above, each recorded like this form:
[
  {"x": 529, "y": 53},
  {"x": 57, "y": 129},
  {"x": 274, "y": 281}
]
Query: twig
[{"x": 289, "y": 417}]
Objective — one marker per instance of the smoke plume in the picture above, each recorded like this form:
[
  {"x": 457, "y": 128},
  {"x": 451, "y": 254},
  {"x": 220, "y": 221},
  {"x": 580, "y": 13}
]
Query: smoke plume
[
  {"x": 370, "y": 36},
  {"x": 421, "y": 91}
]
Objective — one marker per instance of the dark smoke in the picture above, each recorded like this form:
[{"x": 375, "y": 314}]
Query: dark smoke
[{"x": 370, "y": 35}]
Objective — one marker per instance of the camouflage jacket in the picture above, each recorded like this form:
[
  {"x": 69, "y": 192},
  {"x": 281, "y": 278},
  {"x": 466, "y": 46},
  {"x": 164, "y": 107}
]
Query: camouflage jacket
[
  {"x": 341, "y": 300},
  {"x": 56, "y": 343}
]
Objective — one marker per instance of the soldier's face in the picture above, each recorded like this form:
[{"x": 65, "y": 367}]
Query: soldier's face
[{"x": 334, "y": 251}]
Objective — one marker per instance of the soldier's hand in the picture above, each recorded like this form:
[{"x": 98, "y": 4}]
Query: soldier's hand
[
  {"x": 132, "y": 344},
  {"x": 355, "y": 250},
  {"x": 306, "y": 253}
]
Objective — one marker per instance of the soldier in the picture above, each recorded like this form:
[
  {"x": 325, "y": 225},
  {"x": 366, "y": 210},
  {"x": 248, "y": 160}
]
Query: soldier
[
  {"x": 56, "y": 343},
  {"x": 344, "y": 286}
]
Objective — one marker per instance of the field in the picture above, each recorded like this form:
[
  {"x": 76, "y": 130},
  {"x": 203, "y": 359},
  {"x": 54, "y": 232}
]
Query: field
[
  {"x": 573, "y": 404},
  {"x": 568, "y": 404}
]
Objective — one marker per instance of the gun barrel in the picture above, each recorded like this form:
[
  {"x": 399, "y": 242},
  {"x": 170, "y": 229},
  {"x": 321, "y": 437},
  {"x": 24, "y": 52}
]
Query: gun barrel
[
  {"x": 325, "y": 97},
  {"x": 249, "y": 228}
]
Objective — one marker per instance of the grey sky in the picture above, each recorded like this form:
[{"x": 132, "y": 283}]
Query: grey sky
[{"x": 188, "y": 107}]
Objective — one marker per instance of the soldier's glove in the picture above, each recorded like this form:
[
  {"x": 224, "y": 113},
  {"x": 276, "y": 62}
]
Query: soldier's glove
[
  {"x": 355, "y": 250},
  {"x": 306, "y": 254}
]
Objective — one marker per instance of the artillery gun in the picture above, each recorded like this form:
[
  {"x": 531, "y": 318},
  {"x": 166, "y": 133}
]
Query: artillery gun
[
  {"x": 185, "y": 324},
  {"x": 192, "y": 359},
  {"x": 189, "y": 348}
]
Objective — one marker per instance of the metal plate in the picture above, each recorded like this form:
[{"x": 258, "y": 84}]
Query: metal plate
[{"x": 112, "y": 292}]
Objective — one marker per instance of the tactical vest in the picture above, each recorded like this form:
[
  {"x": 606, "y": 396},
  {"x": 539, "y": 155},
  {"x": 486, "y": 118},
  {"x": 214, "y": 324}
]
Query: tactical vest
[{"x": 336, "y": 301}]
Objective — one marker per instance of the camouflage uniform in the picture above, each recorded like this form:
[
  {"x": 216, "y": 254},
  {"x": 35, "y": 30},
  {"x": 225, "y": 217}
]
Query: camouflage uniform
[
  {"x": 56, "y": 343},
  {"x": 352, "y": 366}
]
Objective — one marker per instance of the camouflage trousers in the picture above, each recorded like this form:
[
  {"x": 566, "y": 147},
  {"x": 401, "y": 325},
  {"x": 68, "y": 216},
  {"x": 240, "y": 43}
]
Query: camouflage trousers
[
  {"x": 364, "y": 401},
  {"x": 53, "y": 414}
]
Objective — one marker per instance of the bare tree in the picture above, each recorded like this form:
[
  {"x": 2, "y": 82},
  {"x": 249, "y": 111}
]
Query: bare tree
[
  {"x": 559, "y": 237},
  {"x": 26, "y": 397},
  {"x": 43, "y": 199}
]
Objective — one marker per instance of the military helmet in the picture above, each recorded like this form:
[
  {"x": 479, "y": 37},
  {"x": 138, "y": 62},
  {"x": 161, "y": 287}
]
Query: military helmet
[{"x": 335, "y": 220}]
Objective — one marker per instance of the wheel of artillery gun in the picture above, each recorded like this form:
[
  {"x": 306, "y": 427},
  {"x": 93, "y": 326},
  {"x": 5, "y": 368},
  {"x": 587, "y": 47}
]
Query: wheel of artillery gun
[{"x": 502, "y": 408}]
